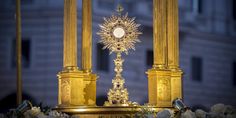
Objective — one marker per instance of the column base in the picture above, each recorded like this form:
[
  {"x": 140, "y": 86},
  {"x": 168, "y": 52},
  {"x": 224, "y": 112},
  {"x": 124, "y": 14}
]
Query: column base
[
  {"x": 76, "y": 88},
  {"x": 176, "y": 84},
  {"x": 90, "y": 88},
  {"x": 164, "y": 86}
]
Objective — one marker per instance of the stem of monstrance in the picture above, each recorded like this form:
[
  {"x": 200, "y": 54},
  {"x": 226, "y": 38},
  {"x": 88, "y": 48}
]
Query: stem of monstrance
[{"x": 118, "y": 95}]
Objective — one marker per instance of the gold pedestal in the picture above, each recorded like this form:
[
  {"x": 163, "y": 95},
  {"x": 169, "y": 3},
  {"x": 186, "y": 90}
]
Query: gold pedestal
[
  {"x": 90, "y": 88},
  {"x": 176, "y": 84},
  {"x": 159, "y": 87},
  {"x": 164, "y": 86},
  {"x": 76, "y": 88},
  {"x": 106, "y": 111}
]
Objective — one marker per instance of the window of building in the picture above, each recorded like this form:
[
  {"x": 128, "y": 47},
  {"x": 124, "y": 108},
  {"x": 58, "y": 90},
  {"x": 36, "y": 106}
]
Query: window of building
[
  {"x": 25, "y": 52},
  {"x": 196, "y": 64},
  {"x": 106, "y": 4},
  {"x": 197, "y": 6},
  {"x": 149, "y": 58},
  {"x": 234, "y": 73},
  {"x": 234, "y": 9},
  {"x": 102, "y": 58}
]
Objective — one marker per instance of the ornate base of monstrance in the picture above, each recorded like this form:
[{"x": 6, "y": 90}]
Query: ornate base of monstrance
[{"x": 118, "y": 95}]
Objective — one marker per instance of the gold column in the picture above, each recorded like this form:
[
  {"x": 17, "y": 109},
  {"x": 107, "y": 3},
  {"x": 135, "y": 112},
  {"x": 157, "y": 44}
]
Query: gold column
[
  {"x": 164, "y": 79},
  {"x": 18, "y": 50},
  {"x": 70, "y": 33},
  {"x": 173, "y": 49},
  {"x": 173, "y": 34},
  {"x": 89, "y": 78},
  {"x": 159, "y": 82},
  {"x": 159, "y": 34},
  {"x": 70, "y": 79},
  {"x": 87, "y": 36}
]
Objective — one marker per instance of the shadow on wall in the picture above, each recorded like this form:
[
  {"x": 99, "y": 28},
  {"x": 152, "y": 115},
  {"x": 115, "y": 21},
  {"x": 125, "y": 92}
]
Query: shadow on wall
[{"x": 9, "y": 102}]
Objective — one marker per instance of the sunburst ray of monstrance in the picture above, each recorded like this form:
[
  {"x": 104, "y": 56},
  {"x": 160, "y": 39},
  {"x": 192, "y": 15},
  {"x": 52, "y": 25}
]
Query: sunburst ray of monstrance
[{"x": 119, "y": 33}]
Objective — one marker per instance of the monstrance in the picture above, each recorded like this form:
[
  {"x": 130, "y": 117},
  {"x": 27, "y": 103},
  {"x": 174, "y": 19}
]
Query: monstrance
[{"x": 118, "y": 33}]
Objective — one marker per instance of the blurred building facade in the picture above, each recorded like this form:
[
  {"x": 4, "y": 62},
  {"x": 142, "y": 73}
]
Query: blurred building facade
[{"x": 207, "y": 49}]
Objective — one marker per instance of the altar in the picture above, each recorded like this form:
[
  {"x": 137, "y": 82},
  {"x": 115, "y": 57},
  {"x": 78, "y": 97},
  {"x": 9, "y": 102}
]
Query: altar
[{"x": 77, "y": 85}]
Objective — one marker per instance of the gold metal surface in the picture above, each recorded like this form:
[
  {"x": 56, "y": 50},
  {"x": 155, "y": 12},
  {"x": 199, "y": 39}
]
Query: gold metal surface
[
  {"x": 90, "y": 80},
  {"x": 18, "y": 52},
  {"x": 118, "y": 95},
  {"x": 70, "y": 33},
  {"x": 176, "y": 84},
  {"x": 119, "y": 34},
  {"x": 103, "y": 110},
  {"x": 70, "y": 79},
  {"x": 76, "y": 87},
  {"x": 89, "y": 77},
  {"x": 165, "y": 78},
  {"x": 173, "y": 49},
  {"x": 173, "y": 34},
  {"x": 159, "y": 34},
  {"x": 71, "y": 87},
  {"x": 86, "y": 35},
  {"x": 159, "y": 88},
  {"x": 119, "y": 44}
]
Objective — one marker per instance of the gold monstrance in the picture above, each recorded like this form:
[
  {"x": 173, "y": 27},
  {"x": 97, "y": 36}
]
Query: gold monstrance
[{"x": 118, "y": 33}]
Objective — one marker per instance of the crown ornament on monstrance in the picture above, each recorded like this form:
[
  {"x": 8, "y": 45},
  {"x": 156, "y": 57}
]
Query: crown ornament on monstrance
[{"x": 119, "y": 33}]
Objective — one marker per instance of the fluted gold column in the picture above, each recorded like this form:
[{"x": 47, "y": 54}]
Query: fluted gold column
[
  {"x": 89, "y": 78},
  {"x": 159, "y": 33},
  {"x": 70, "y": 34},
  {"x": 173, "y": 34},
  {"x": 87, "y": 36},
  {"x": 164, "y": 79},
  {"x": 70, "y": 79},
  {"x": 173, "y": 49},
  {"x": 159, "y": 83}
]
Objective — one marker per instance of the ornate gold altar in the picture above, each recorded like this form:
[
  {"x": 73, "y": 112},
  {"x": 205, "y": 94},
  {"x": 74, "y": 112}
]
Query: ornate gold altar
[{"x": 77, "y": 86}]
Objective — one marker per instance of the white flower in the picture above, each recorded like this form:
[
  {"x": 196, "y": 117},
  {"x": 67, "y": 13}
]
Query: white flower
[
  {"x": 218, "y": 108},
  {"x": 34, "y": 112},
  {"x": 200, "y": 113},
  {"x": 55, "y": 114},
  {"x": 188, "y": 114},
  {"x": 166, "y": 113}
]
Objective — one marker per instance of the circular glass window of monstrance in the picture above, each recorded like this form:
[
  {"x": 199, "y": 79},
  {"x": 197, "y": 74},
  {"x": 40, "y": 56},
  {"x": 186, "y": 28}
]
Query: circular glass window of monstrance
[{"x": 118, "y": 32}]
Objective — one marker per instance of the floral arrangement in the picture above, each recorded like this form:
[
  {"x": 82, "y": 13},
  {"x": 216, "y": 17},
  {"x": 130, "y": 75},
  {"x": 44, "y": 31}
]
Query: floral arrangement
[
  {"x": 26, "y": 110},
  {"x": 216, "y": 111}
]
